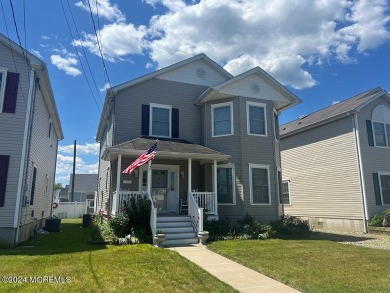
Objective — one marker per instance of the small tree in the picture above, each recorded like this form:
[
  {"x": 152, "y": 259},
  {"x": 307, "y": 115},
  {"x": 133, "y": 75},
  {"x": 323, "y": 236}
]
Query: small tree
[{"x": 58, "y": 185}]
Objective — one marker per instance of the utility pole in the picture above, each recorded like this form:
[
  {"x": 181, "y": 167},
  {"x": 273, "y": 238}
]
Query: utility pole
[{"x": 74, "y": 171}]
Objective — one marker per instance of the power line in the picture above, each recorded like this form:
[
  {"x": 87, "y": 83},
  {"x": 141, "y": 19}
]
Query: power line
[
  {"x": 78, "y": 56},
  {"x": 85, "y": 54}
]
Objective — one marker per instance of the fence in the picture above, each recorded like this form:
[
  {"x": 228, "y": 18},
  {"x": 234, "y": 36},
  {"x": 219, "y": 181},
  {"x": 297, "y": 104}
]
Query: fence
[{"x": 70, "y": 210}]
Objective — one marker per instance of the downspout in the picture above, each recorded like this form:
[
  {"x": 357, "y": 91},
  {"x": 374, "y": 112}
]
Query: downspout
[
  {"x": 361, "y": 173},
  {"x": 25, "y": 157}
]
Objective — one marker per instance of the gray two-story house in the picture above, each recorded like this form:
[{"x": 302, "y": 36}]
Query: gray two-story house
[
  {"x": 218, "y": 142},
  {"x": 30, "y": 129},
  {"x": 336, "y": 163}
]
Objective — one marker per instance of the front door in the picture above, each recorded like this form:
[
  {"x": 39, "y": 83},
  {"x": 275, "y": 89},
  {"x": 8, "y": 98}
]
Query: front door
[{"x": 165, "y": 187}]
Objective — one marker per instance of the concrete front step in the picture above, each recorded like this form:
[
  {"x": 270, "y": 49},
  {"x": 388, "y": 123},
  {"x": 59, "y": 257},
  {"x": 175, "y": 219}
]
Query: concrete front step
[
  {"x": 167, "y": 230},
  {"x": 178, "y": 242},
  {"x": 173, "y": 224},
  {"x": 178, "y": 230},
  {"x": 176, "y": 235},
  {"x": 173, "y": 219}
]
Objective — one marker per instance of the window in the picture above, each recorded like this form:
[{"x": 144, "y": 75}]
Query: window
[
  {"x": 4, "y": 163},
  {"x": 226, "y": 184},
  {"x": 259, "y": 184},
  {"x": 285, "y": 192},
  {"x": 3, "y": 78},
  {"x": 380, "y": 127},
  {"x": 160, "y": 120},
  {"x": 32, "y": 193},
  {"x": 256, "y": 122},
  {"x": 222, "y": 119},
  {"x": 384, "y": 183}
]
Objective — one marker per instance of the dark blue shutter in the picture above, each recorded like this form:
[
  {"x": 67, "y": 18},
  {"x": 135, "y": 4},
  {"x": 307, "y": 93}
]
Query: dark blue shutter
[
  {"x": 4, "y": 162},
  {"x": 175, "y": 123},
  {"x": 369, "y": 133},
  {"x": 11, "y": 92},
  {"x": 34, "y": 179},
  {"x": 145, "y": 120},
  {"x": 377, "y": 189}
]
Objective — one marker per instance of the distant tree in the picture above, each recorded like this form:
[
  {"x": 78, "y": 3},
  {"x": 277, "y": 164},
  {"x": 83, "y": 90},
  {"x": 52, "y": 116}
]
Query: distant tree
[{"x": 58, "y": 185}]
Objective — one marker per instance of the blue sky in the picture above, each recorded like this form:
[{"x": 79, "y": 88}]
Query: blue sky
[{"x": 323, "y": 51}]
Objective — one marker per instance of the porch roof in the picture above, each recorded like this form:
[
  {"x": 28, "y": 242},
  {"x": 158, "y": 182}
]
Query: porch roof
[{"x": 166, "y": 149}]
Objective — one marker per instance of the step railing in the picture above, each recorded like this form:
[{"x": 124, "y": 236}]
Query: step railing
[
  {"x": 206, "y": 200},
  {"x": 195, "y": 213}
]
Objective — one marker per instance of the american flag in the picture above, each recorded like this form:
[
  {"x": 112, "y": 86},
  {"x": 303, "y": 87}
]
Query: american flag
[{"x": 143, "y": 159}]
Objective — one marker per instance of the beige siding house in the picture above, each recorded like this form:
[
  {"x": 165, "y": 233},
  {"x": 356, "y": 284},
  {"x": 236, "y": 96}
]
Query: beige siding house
[
  {"x": 336, "y": 163},
  {"x": 29, "y": 133},
  {"x": 217, "y": 145}
]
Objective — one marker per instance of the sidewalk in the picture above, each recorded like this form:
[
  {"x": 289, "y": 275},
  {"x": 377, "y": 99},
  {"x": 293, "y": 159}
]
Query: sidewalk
[{"x": 230, "y": 272}]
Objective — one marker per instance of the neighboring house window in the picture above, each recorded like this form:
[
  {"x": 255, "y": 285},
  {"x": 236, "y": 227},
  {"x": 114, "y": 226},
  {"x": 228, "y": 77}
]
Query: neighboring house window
[
  {"x": 49, "y": 133},
  {"x": 384, "y": 187},
  {"x": 256, "y": 121},
  {"x": 259, "y": 184},
  {"x": 160, "y": 120},
  {"x": 34, "y": 179},
  {"x": 285, "y": 192},
  {"x": 276, "y": 125},
  {"x": 4, "y": 163},
  {"x": 226, "y": 184},
  {"x": 222, "y": 119},
  {"x": 379, "y": 127},
  {"x": 9, "y": 82}
]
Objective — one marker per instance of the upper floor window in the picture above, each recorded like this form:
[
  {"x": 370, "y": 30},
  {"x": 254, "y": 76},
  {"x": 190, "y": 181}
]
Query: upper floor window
[
  {"x": 381, "y": 126},
  {"x": 259, "y": 183},
  {"x": 256, "y": 121},
  {"x": 222, "y": 119},
  {"x": 160, "y": 120},
  {"x": 9, "y": 82}
]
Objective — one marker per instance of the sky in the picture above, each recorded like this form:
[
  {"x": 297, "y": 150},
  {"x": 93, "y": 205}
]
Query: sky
[{"x": 323, "y": 51}]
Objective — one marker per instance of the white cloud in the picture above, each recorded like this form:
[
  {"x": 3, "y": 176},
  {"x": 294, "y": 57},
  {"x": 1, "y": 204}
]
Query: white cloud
[
  {"x": 105, "y": 87},
  {"x": 44, "y": 37},
  {"x": 335, "y": 102},
  {"x": 148, "y": 65},
  {"x": 66, "y": 64},
  {"x": 284, "y": 37},
  {"x": 117, "y": 40},
  {"x": 86, "y": 149},
  {"x": 103, "y": 8},
  {"x": 36, "y": 53}
]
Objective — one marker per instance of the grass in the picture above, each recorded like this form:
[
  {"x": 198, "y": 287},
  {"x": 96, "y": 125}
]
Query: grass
[
  {"x": 100, "y": 268},
  {"x": 313, "y": 265}
]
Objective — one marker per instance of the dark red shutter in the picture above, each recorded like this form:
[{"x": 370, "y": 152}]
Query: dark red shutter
[
  {"x": 4, "y": 163},
  {"x": 175, "y": 123},
  {"x": 145, "y": 120},
  {"x": 11, "y": 92}
]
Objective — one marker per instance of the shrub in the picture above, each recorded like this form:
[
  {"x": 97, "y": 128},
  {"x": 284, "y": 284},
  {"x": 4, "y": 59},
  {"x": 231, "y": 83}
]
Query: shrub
[
  {"x": 120, "y": 225},
  {"x": 290, "y": 225},
  {"x": 138, "y": 211},
  {"x": 218, "y": 229},
  {"x": 377, "y": 220}
]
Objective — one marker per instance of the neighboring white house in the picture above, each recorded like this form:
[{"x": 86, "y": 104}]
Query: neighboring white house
[
  {"x": 336, "y": 163},
  {"x": 30, "y": 129}
]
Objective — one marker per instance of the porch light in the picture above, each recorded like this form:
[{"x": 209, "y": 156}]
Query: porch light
[
  {"x": 135, "y": 173},
  {"x": 181, "y": 174}
]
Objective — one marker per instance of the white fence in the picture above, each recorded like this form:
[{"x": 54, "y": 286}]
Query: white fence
[{"x": 70, "y": 210}]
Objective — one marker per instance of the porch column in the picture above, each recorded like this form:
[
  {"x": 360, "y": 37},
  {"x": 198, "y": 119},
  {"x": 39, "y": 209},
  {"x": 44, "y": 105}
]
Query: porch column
[
  {"x": 149, "y": 185},
  {"x": 215, "y": 186},
  {"x": 118, "y": 185},
  {"x": 189, "y": 175}
]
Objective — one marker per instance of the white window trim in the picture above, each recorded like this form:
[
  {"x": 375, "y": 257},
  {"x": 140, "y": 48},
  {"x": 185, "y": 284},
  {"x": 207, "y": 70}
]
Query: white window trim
[
  {"x": 214, "y": 106},
  {"x": 380, "y": 185},
  {"x": 151, "y": 119},
  {"x": 248, "y": 130},
  {"x": 289, "y": 193},
  {"x": 277, "y": 115},
  {"x": 259, "y": 166},
  {"x": 227, "y": 166},
  {"x": 2, "y": 87},
  {"x": 373, "y": 134}
]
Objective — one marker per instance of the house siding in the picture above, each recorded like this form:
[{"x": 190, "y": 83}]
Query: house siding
[
  {"x": 11, "y": 134},
  {"x": 178, "y": 95},
  {"x": 321, "y": 165},
  {"x": 374, "y": 159}
]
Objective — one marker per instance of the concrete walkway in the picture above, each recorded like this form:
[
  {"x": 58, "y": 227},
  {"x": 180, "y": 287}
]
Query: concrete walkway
[{"x": 230, "y": 272}]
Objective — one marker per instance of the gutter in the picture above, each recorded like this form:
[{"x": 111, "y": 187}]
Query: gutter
[{"x": 361, "y": 173}]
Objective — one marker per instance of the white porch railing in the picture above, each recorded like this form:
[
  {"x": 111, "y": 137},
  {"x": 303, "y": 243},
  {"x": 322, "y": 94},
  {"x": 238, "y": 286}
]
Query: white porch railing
[
  {"x": 118, "y": 205},
  {"x": 206, "y": 200},
  {"x": 195, "y": 213}
]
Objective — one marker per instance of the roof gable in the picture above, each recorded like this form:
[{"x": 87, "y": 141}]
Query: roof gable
[{"x": 255, "y": 83}]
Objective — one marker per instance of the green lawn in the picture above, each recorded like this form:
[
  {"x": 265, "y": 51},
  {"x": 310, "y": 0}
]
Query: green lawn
[
  {"x": 99, "y": 268},
  {"x": 313, "y": 265}
]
